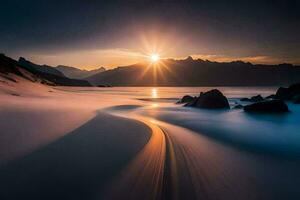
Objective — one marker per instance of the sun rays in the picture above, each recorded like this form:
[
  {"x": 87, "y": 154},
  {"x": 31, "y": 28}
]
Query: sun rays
[
  {"x": 154, "y": 57},
  {"x": 155, "y": 48}
]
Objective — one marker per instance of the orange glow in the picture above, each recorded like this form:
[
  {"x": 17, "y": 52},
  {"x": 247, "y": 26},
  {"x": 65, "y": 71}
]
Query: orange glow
[
  {"x": 154, "y": 105},
  {"x": 154, "y": 93},
  {"x": 154, "y": 57},
  {"x": 146, "y": 170}
]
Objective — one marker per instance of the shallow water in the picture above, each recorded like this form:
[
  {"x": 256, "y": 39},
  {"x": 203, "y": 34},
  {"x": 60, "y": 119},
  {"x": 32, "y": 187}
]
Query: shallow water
[
  {"x": 226, "y": 154},
  {"x": 191, "y": 154},
  {"x": 269, "y": 133},
  {"x": 177, "y": 92}
]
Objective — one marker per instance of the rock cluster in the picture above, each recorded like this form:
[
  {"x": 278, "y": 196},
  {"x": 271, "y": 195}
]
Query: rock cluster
[{"x": 213, "y": 99}]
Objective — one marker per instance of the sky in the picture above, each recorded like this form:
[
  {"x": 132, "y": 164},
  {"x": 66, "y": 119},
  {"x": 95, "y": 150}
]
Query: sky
[{"x": 93, "y": 33}]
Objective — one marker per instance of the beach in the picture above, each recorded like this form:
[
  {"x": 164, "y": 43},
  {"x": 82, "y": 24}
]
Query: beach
[{"x": 136, "y": 143}]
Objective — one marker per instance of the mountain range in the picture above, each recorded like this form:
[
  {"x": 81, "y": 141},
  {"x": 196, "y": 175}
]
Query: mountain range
[
  {"x": 167, "y": 72},
  {"x": 36, "y": 73},
  {"x": 190, "y": 72},
  {"x": 73, "y": 72}
]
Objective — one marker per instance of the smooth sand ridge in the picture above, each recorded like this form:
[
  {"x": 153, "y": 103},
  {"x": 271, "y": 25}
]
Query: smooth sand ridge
[
  {"x": 176, "y": 164},
  {"x": 162, "y": 170},
  {"x": 78, "y": 165},
  {"x": 33, "y": 115},
  {"x": 143, "y": 177},
  {"x": 189, "y": 165},
  {"x": 166, "y": 168},
  {"x": 195, "y": 172},
  {"x": 25, "y": 129}
]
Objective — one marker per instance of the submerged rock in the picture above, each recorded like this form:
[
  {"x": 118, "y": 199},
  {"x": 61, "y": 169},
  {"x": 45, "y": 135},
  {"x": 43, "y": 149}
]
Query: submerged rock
[
  {"x": 256, "y": 98},
  {"x": 186, "y": 99},
  {"x": 272, "y": 106},
  {"x": 213, "y": 99},
  {"x": 239, "y": 106}
]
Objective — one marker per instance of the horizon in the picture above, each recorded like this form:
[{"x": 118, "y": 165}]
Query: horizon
[
  {"x": 146, "y": 60},
  {"x": 111, "y": 34}
]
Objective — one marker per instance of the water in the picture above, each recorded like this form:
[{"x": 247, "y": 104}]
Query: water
[
  {"x": 230, "y": 154},
  {"x": 178, "y": 92},
  {"x": 267, "y": 133}
]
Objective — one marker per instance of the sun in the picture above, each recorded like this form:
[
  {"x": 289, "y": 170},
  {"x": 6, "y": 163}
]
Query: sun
[{"x": 154, "y": 57}]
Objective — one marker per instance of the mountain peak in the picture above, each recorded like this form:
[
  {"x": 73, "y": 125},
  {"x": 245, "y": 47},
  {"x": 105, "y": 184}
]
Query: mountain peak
[
  {"x": 189, "y": 58},
  {"x": 73, "y": 72},
  {"x": 21, "y": 59}
]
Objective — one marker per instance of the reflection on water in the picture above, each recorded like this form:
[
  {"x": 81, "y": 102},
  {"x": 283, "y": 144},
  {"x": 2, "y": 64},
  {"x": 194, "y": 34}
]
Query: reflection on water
[
  {"x": 177, "y": 92},
  {"x": 154, "y": 105},
  {"x": 154, "y": 93}
]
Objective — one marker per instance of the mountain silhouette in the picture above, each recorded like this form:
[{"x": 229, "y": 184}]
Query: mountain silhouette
[
  {"x": 190, "y": 72},
  {"x": 39, "y": 68},
  {"x": 36, "y": 73},
  {"x": 73, "y": 72}
]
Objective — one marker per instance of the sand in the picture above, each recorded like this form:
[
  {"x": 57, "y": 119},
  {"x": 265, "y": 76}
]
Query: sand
[{"x": 92, "y": 143}]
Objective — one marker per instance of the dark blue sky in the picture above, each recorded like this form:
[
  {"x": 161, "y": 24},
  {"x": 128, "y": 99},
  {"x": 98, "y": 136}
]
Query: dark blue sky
[{"x": 44, "y": 30}]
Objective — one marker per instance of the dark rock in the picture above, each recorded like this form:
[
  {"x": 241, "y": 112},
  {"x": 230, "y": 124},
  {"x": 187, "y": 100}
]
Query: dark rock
[
  {"x": 239, "y": 106},
  {"x": 272, "y": 96},
  {"x": 212, "y": 99},
  {"x": 272, "y": 106},
  {"x": 101, "y": 85},
  {"x": 296, "y": 99},
  {"x": 244, "y": 99},
  {"x": 256, "y": 98},
  {"x": 288, "y": 93},
  {"x": 283, "y": 93},
  {"x": 186, "y": 99}
]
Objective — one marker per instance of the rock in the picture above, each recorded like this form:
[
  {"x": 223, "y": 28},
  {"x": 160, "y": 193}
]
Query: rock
[
  {"x": 288, "y": 93},
  {"x": 186, "y": 99},
  {"x": 272, "y": 96},
  {"x": 283, "y": 93},
  {"x": 239, "y": 106},
  {"x": 296, "y": 99},
  {"x": 212, "y": 99},
  {"x": 102, "y": 85},
  {"x": 15, "y": 94},
  {"x": 244, "y": 99},
  {"x": 272, "y": 106},
  {"x": 256, "y": 98}
]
